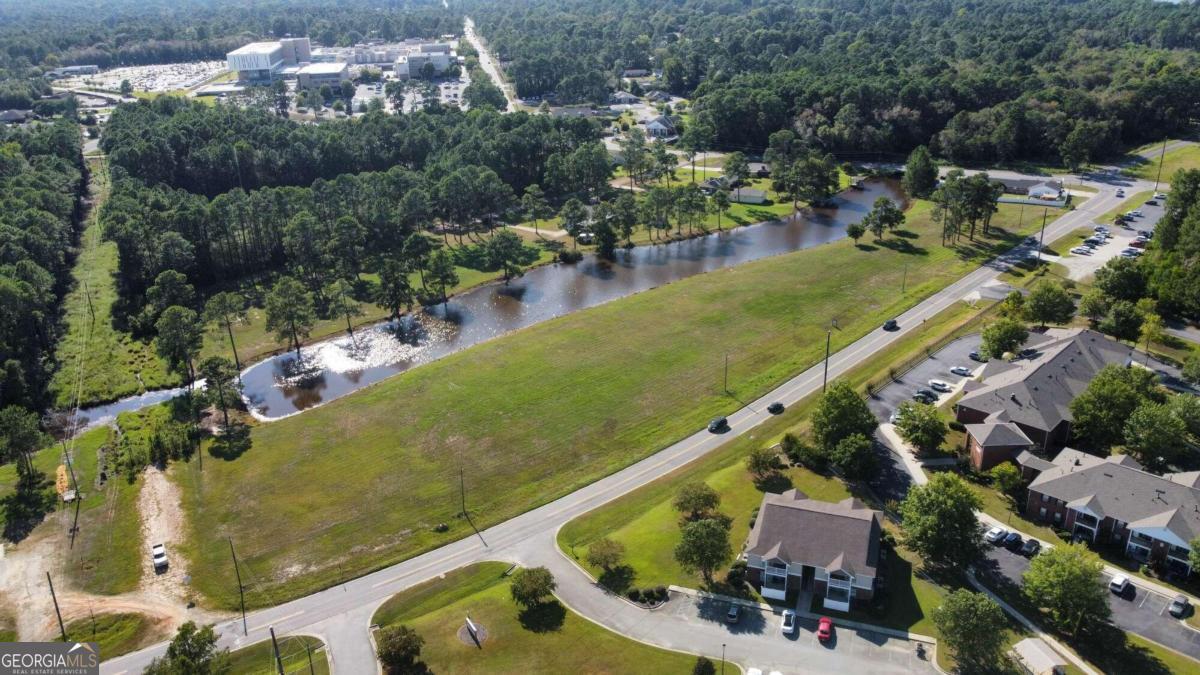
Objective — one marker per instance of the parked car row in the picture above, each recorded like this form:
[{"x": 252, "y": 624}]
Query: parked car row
[
  {"x": 998, "y": 536},
  {"x": 787, "y": 623}
]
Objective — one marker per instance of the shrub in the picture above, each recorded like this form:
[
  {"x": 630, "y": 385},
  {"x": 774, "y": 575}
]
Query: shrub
[
  {"x": 634, "y": 594},
  {"x": 441, "y": 527},
  {"x": 661, "y": 591},
  {"x": 569, "y": 256}
]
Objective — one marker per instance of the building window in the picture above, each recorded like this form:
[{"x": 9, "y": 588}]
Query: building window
[
  {"x": 1042, "y": 512},
  {"x": 1057, "y": 517},
  {"x": 1045, "y": 497}
]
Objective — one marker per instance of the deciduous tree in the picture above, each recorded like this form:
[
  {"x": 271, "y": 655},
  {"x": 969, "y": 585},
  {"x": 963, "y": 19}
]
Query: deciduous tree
[
  {"x": 1049, "y": 303},
  {"x": 696, "y": 500},
  {"x": 704, "y": 546},
  {"x": 1067, "y": 581},
  {"x": 841, "y": 412},
  {"x": 939, "y": 521},
  {"x": 921, "y": 426},
  {"x": 973, "y": 627},
  {"x": 605, "y": 553},
  {"x": 532, "y": 585},
  {"x": 1003, "y": 336}
]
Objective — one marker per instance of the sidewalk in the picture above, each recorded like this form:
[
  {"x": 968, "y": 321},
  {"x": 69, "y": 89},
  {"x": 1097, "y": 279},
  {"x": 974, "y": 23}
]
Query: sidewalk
[{"x": 1058, "y": 646}]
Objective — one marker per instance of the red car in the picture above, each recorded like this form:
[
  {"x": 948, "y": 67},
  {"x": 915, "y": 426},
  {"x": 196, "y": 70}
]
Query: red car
[{"x": 825, "y": 629}]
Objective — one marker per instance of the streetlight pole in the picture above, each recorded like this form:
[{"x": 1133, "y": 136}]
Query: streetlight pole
[
  {"x": 1042, "y": 238},
  {"x": 825, "y": 379},
  {"x": 722, "y": 658},
  {"x": 1162, "y": 155}
]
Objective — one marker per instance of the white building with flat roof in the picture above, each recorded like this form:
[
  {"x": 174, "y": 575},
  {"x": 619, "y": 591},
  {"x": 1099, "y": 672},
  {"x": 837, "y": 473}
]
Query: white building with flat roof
[
  {"x": 316, "y": 74},
  {"x": 264, "y": 61}
]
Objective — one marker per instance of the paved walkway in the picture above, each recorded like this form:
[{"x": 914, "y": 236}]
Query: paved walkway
[{"x": 340, "y": 615}]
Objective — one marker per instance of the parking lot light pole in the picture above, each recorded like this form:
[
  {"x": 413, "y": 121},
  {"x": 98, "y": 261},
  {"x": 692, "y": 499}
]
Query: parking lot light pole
[{"x": 722, "y": 658}]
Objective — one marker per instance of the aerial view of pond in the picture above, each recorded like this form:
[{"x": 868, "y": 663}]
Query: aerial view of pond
[{"x": 282, "y": 385}]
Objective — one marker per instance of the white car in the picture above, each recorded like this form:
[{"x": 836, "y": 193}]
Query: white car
[
  {"x": 1136, "y": 213},
  {"x": 788, "y": 623},
  {"x": 939, "y": 385},
  {"x": 1081, "y": 250},
  {"x": 1160, "y": 195},
  {"x": 1100, "y": 228},
  {"x": 158, "y": 555},
  {"x": 1118, "y": 584},
  {"x": 995, "y": 535},
  {"x": 961, "y": 370}
]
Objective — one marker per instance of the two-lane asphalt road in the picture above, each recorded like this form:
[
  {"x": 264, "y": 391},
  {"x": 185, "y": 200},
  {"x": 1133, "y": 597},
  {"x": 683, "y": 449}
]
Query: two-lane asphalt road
[{"x": 340, "y": 615}]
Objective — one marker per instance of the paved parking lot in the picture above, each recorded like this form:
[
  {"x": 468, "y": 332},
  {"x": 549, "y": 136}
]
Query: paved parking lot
[
  {"x": 801, "y": 652},
  {"x": 1139, "y": 611},
  {"x": 1083, "y": 266},
  {"x": 937, "y": 367}
]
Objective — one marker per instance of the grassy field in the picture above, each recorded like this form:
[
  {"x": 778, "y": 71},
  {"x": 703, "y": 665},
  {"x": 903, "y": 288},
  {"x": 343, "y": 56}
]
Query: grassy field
[
  {"x": 1187, "y": 157},
  {"x": 549, "y": 640},
  {"x": 294, "y": 651},
  {"x": 116, "y": 634},
  {"x": 117, "y": 365},
  {"x": 535, "y": 415}
]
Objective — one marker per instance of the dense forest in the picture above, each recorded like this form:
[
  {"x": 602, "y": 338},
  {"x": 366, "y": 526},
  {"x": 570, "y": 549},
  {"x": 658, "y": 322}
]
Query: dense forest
[
  {"x": 129, "y": 32},
  {"x": 981, "y": 81},
  {"x": 219, "y": 193},
  {"x": 41, "y": 182}
]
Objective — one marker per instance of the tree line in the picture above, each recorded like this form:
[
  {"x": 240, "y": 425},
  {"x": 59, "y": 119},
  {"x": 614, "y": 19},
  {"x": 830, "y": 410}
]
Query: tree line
[{"x": 979, "y": 83}]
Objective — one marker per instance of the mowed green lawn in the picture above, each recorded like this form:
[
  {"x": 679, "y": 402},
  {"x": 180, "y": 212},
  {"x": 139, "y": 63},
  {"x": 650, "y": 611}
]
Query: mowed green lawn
[
  {"x": 1187, "y": 157},
  {"x": 294, "y": 652},
  {"x": 555, "y": 640},
  {"x": 361, "y": 482}
]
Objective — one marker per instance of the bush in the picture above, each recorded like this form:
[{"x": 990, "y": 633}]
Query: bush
[
  {"x": 800, "y": 451},
  {"x": 736, "y": 576},
  {"x": 569, "y": 256},
  {"x": 958, "y": 426},
  {"x": 661, "y": 592},
  {"x": 441, "y": 527},
  {"x": 634, "y": 594}
]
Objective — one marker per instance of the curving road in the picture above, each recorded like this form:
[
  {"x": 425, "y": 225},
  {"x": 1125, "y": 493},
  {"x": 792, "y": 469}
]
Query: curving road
[{"x": 340, "y": 615}]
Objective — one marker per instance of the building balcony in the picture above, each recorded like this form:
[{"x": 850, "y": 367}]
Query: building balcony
[
  {"x": 1141, "y": 539},
  {"x": 774, "y": 586},
  {"x": 1085, "y": 520}
]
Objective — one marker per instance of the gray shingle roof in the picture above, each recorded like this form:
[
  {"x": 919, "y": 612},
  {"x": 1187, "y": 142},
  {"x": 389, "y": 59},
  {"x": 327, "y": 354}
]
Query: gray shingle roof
[
  {"x": 993, "y": 434},
  {"x": 798, "y": 530},
  {"x": 1117, "y": 487},
  {"x": 1036, "y": 392}
]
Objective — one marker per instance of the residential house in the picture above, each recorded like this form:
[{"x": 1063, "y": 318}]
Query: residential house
[
  {"x": 800, "y": 543},
  {"x": 635, "y": 72},
  {"x": 661, "y": 127},
  {"x": 658, "y": 96},
  {"x": 993, "y": 442},
  {"x": 1023, "y": 186},
  {"x": 15, "y": 116},
  {"x": 1114, "y": 500},
  {"x": 759, "y": 169},
  {"x": 1035, "y": 392},
  {"x": 1051, "y": 191},
  {"x": 623, "y": 98},
  {"x": 711, "y": 185}
]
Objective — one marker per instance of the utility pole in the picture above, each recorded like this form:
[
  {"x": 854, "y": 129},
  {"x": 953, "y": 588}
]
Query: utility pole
[
  {"x": 722, "y": 658},
  {"x": 241, "y": 594},
  {"x": 78, "y": 497},
  {"x": 726, "y": 372},
  {"x": 825, "y": 379},
  {"x": 308, "y": 650},
  {"x": 58, "y": 612},
  {"x": 275, "y": 648},
  {"x": 904, "y": 280},
  {"x": 462, "y": 489},
  {"x": 1042, "y": 238},
  {"x": 1161, "y": 157}
]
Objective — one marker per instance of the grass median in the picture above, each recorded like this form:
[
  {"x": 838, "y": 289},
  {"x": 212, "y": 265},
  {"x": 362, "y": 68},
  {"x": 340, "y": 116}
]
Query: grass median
[
  {"x": 369, "y": 479},
  {"x": 546, "y": 639},
  {"x": 1187, "y": 157},
  {"x": 297, "y": 653}
]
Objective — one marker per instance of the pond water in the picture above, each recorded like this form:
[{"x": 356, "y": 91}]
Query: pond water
[{"x": 284, "y": 385}]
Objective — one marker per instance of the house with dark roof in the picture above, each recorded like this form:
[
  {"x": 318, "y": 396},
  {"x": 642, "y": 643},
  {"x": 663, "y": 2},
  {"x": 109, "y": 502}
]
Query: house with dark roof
[
  {"x": 623, "y": 98},
  {"x": 661, "y": 127},
  {"x": 1114, "y": 500},
  {"x": 799, "y": 543},
  {"x": 992, "y": 442},
  {"x": 1034, "y": 392}
]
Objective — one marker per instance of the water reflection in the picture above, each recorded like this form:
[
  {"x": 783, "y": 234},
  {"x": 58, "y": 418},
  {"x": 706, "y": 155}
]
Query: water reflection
[{"x": 282, "y": 386}]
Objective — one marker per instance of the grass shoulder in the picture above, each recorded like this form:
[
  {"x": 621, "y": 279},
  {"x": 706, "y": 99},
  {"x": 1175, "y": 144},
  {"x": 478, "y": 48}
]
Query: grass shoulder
[
  {"x": 547, "y": 639},
  {"x": 117, "y": 634},
  {"x": 296, "y": 652}
]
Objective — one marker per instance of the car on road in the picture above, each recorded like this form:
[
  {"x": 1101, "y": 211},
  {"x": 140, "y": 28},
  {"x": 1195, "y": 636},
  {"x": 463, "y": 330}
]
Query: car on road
[
  {"x": 1151, "y": 202},
  {"x": 939, "y": 385},
  {"x": 1031, "y": 547},
  {"x": 1179, "y": 607},
  {"x": 717, "y": 425},
  {"x": 775, "y": 408},
  {"x": 158, "y": 555},
  {"x": 734, "y": 613},
  {"x": 788, "y": 623},
  {"x": 1081, "y": 250},
  {"x": 1012, "y": 541},
  {"x": 976, "y": 356},
  {"x": 961, "y": 370},
  {"x": 995, "y": 535},
  {"x": 1119, "y": 584},
  {"x": 1120, "y": 193},
  {"x": 825, "y": 629},
  {"x": 890, "y": 324}
]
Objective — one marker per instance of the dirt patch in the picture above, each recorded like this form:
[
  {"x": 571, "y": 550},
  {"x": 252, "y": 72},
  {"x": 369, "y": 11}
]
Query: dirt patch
[
  {"x": 162, "y": 523},
  {"x": 23, "y": 587}
]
